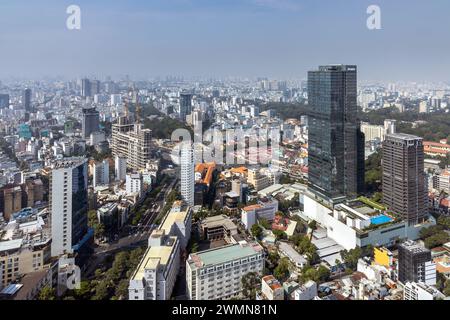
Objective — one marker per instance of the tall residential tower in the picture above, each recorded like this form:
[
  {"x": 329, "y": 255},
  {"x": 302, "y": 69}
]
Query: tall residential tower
[{"x": 404, "y": 190}]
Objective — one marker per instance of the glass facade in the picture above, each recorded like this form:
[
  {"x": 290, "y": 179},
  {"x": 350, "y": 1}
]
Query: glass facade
[
  {"x": 79, "y": 202},
  {"x": 334, "y": 143}
]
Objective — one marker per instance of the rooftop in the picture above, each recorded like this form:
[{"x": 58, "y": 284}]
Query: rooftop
[
  {"x": 154, "y": 256},
  {"x": 223, "y": 254},
  {"x": 217, "y": 221}
]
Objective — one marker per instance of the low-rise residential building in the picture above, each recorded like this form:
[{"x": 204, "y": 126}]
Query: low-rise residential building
[
  {"x": 289, "y": 252},
  {"x": 306, "y": 292},
  {"x": 218, "y": 227},
  {"x": 271, "y": 289},
  {"x": 216, "y": 273}
]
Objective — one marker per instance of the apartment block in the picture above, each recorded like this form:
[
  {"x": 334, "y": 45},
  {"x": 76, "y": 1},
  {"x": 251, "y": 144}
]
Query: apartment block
[{"x": 216, "y": 273}]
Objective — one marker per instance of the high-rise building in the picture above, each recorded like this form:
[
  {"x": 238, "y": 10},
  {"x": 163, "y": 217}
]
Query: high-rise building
[
  {"x": 334, "y": 134},
  {"x": 131, "y": 141},
  {"x": 404, "y": 190},
  {"x": 26, "y": 100},
  {"x": 120, "y": 166},
  {"x": 185, "y": 105},
  {"x": 95, "y": 87},
  {"x": 4, "y": 101},
  {"x": 68, "y": 205},
  {"x": 90, "y": 122},
  {"x": 86, "y": 88},
  {"x": 101, "y": 173},
  {"x": 415, "y": 264},
  {"x": 187, "y": 173}
]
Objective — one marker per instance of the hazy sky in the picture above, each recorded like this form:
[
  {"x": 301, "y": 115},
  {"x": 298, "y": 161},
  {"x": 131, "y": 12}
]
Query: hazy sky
[{"x": 274, "y": 38}]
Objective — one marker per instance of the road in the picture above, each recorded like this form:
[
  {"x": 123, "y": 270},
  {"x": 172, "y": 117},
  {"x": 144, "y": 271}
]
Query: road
[{"x": 139, "y": 235}]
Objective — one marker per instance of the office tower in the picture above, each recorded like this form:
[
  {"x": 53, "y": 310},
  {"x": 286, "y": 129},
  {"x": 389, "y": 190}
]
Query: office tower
[
  {"x": 187, "y": 173},
  {"x": 68, "y": 205},
  {"x": 185, "y": 105},
  {"x": 216, "y": 273},
  {"x": 101, "y": 173},
  {"x": 120, "y": 167},
  {"x": 4, "y": 101},
  {"x": 415, "y": 264},
  {"x": 86, "y": 88},
  {"x": 333, "y": 154},
  {"x": 90, "y": 122},
  {"x": 26, "y": 100},
  {"x": 95, "y": 87},
  {"x": 155, "y": 277},
  {"x": 404, "y": 189},
  {"x": 131, "y": 141}
]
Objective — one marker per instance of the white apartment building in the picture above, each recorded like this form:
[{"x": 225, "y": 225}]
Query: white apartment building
[
  {"x": 68, "y": 204},
  {"x": 216, "y": 273},
  {"x": 187, "y": 174},
  {"x": 120, "y": 164},
  {"x": 373, "y": 132},
  {"x": 101, "y": 173},
  {"x": 157, "y": 272},
  {"x": 420, "y": 291},
  {"x": 134, "y": 183}
]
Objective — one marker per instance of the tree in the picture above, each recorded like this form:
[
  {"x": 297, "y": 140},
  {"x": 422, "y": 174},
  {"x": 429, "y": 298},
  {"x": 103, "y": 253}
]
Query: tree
[
  {"x": 323, "y": 273},
  {"x": 313, "y": 226},
  {"x": 264, "y": 223},
  {"x": 444, "y": 222},
  {"x": 437, "y": 239},
  {"x": 101, "y": 291},
  {"x": 256, "y": 230},
  {"x": 47, "y": 293},
  {"x": 351, "y": 257},
  {"x": 430, "y": 231},
  {"x": 446, "y": 290},
  {"x": 122, "y": 289},
  {"x": 84, "y": 291},
  {"x": 279, "y": 234},
  {"x": 250, "y": 283},
  {"x": 281, "y": 272}
]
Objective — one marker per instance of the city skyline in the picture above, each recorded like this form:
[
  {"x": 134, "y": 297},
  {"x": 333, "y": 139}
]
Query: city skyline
[{"x": 248, "y": 38}]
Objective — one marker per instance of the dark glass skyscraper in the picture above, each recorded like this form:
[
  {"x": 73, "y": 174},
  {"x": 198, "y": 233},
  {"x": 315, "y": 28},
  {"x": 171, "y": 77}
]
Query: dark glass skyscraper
[
  {"x": 86, "y": 90},
  {"x": 90, "y": 122},
  {"x": 26, "y": 100},
  {"x": 335, "y": 143},
  {"x": 4, "y": 101},
  {"x": 185, "y": 105}
]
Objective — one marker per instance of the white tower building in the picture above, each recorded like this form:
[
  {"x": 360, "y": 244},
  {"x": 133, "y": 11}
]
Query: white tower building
[{"x": 187, "y": 173}]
